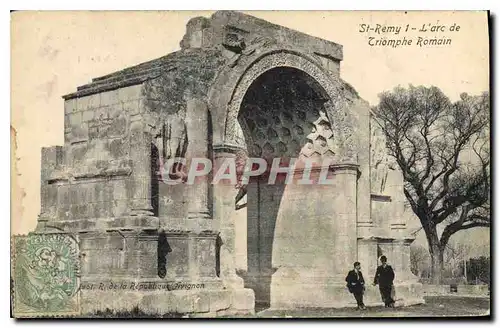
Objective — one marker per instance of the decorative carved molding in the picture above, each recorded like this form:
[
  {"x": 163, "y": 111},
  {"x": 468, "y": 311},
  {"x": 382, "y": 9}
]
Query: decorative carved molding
[
  {"x": 320, "y": 141},
  {"x": 95, "y": 170},
  {"x": 381, "y": 198},
  {"x": 234, "y": 41},
  {"x": 258, "y": 42},
  {"x": 228, "y": 148},
  {"x": 336, "y": 106}
]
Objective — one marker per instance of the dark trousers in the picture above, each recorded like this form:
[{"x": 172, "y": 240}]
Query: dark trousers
[
  {"x": 385, "y": 292},
  {"x": 358, "y": 295}
]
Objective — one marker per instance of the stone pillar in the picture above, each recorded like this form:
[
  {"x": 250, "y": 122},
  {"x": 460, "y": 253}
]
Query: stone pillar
[
  {"x": 197, "y": 122},
  {"x": 224, "y": 215},
  {"x": 367, "y": 256},
  {"x": 140, "y": 153},
  {"x": 396, "y": 259},
  {"x": 315, "y": 241},
  {"x": 405, "y": 257},
  {"x": 52, "y": 159},
  {"x": 401, "y": 260},
  {"x": 346, "y": 241},
  {"x": 365, "y": 225}
]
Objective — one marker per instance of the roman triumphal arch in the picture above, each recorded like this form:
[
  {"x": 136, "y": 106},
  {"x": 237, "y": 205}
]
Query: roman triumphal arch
[{"x": 282, "y": 234}]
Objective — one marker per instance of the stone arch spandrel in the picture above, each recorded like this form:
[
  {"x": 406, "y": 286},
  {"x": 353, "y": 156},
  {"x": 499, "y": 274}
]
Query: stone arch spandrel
[{"x": 231, "y": 85}]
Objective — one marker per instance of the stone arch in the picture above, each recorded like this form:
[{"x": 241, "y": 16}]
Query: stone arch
[{"x": 231, "y": 85}]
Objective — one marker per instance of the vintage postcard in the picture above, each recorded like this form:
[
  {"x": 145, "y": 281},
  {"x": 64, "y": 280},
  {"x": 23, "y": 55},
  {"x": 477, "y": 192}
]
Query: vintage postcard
[{"x": 264, "y": 164}]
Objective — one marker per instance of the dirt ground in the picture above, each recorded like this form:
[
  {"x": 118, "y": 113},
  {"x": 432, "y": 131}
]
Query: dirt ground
[{"x": 435, "y": 306}]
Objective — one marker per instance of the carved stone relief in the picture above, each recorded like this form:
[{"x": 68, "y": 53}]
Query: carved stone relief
[{"x": 381, "y": 162}]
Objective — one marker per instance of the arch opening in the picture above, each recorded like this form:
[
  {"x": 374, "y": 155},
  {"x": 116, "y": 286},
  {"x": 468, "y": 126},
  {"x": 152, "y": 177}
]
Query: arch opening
[{"x": 279, "y": 116}]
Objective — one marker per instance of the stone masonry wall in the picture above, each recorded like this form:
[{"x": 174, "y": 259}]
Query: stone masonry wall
[{"x": 89, "y": 177}]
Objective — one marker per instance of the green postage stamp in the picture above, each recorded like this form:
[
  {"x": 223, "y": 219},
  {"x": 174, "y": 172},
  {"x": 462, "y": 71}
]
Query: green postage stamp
[{"x": 45, "y": 275}]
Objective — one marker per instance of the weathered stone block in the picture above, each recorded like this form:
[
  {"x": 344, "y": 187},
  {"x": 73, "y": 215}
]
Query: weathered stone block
[
  {"x": 75, "y": 119},
  {"x": 70, "y": 106},
  {"x": 148, "y": 248},
  {"x": 88, "y": 115},
  {"x": 243, "y": 299},
  {"x": 201, "y": 302},
  {"x": 185, "y": 301},
  {"x": 131, "y": 106},
  {"x": 79, "y": 133},
  {"x": 51, "y": 158},
  {"x": 119, "y": 125},
  {"x": 93, "y": 132},
  {"x": 133, "y": 92},
  {"x": 67, "y": 123},
  {"x": 173, "y": 200},
  {"x": 130, "y": 187},
  {"x": 118, "y": 148},
  {"x": 115, "y": 110},
  {"x": 119, "y": 301},
  {"x": 177, "y": 264},
  {"x": 109, "y": 98},
  {"x": 141, "y": 108},
  {"x": 73, "y": 194},
  {"x": 204, "y": 255},
  {"x": 120, "y": 208},
  {"x": 51, "y": 195},
  {"x": 88, "y": 102},
  {"x": 220, "y": 300},
  {"x": 118, "y": 189},
  {"x": 63, "y": 195},
  {"x": 158, "y": 303},
  {"x": 102, "y": 115}
]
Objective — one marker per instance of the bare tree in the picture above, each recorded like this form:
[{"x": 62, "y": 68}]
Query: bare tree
[
  {"x": 455, "y": 254},
  {"x": 442, "y": 149},
  {"x": 419, "y": 260}
]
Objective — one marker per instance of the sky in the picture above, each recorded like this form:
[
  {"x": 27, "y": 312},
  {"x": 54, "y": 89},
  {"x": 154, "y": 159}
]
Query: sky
[{"x": 54, "y": 52}]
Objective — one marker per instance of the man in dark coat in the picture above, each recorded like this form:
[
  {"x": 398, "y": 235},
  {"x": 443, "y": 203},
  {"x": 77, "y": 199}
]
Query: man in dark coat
[
  {"x": 356, "y": 284},
  {"x": 384, "y": 277}
]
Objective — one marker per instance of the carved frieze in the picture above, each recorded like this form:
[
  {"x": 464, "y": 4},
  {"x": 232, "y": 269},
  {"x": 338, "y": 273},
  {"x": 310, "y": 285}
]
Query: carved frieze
[
  {"x": 168, "y": 119},
  {"x": 234, "y": 39},
  {"x": 380, "y": 161},
  {"x": 92, "y": 170}
]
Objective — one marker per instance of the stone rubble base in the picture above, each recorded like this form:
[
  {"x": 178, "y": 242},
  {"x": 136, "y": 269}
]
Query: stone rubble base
[{"x": 204, "y": 303}]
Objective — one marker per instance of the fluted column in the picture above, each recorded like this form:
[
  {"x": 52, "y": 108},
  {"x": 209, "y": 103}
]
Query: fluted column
[
  {"x": 346, "y": 248},
  {"x": 140, "y": 153},
  {"x": 197, "y": 127},
  {"x": 224, "y": 215}
]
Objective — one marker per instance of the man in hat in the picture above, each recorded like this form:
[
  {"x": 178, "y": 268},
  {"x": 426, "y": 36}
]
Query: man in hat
[
  {"x": 356, "y": 284},
  {"x": 384, "y": 277}
]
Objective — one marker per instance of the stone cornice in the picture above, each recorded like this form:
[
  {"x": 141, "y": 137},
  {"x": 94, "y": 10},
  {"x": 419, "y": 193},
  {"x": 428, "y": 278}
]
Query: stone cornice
[
  {"x": 394, "y": 239},
  {"x": 246, "y": 23},
  {"x": 227, "y": 148},
  {"x": 381, "y": 198},
  {"x": 139, "y": 74}
]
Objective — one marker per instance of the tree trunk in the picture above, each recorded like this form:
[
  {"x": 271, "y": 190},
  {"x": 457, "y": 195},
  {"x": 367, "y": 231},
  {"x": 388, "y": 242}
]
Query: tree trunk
[
  {"x": 436, "y": 252},
  {"x": 437, "y": 266}
]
